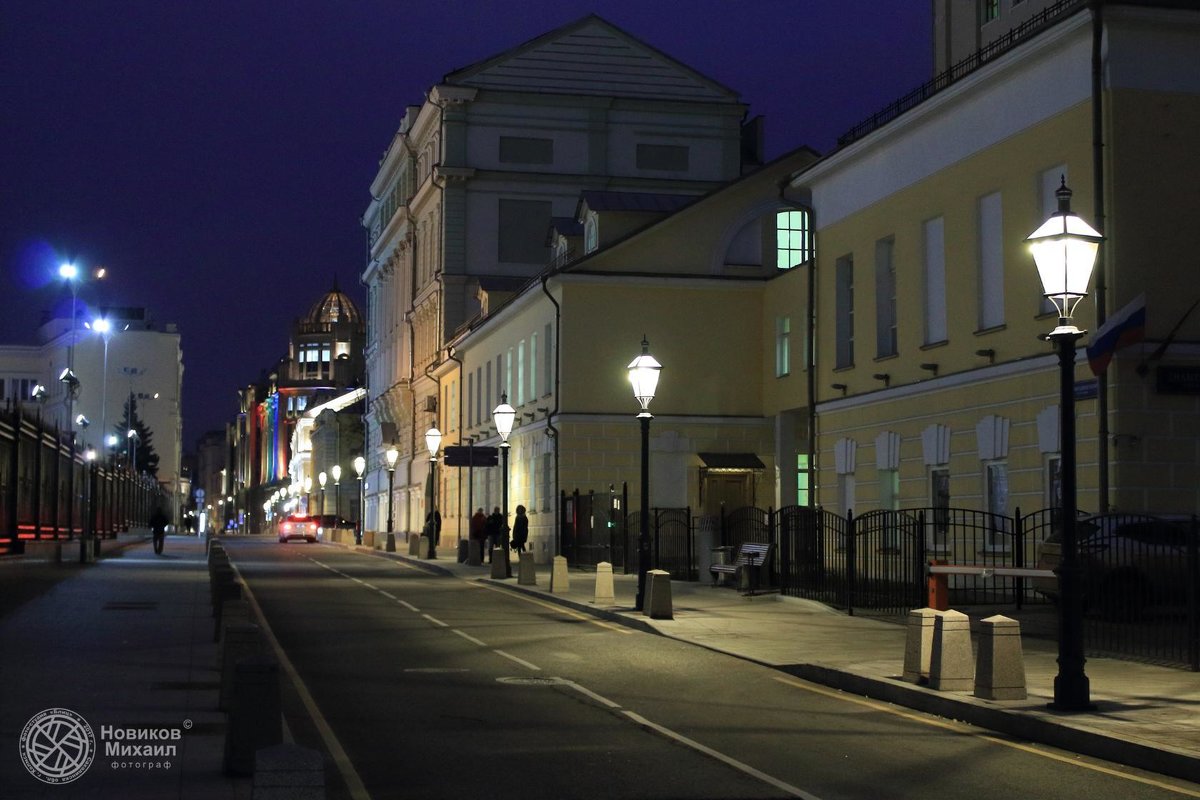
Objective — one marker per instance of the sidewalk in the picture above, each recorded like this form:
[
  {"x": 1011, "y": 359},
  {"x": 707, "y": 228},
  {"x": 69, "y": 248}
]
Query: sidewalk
[
  {"x": 125, "y": 643},
  {"x": 1146, "y": 716}
]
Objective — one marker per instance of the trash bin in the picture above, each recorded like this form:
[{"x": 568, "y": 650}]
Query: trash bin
[
  {"x": 722, "y": 555},
  {"x": 462, "y": 551}
]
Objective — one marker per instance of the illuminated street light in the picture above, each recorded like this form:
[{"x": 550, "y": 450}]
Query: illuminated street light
[
  {"x": 643, "y": 376},
  {"x": 360, "y": 466},
  {"x": 336, "y": 472},
  {"x": 433, "y": 441},
  {"x": 321, "y": 478},
  {"x": 392, "y": 454},
  {"x": 503, "y": 416},
  {"x": 1064, "y": 249}
]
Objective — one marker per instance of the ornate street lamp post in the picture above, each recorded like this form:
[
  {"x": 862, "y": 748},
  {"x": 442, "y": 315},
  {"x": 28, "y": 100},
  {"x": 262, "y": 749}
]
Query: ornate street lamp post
[
  {"x": 433, "y": 441},
  {"x": 643, "y": 376},
  {"x": 392, "y": 454},
  {"x": 503, "y": 415},
  {"x": 321, "y": 478},
  {"x": 336, "y": 472},
  {"x": 360, "y": 466},
  {"x": 1064, "y": 249}
]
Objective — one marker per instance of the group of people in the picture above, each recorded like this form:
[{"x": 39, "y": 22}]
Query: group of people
[{"x": 492, "y": 531}]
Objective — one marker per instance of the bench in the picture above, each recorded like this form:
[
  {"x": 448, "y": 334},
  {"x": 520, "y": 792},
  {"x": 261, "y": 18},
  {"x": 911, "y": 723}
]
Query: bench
[{"x": 752, "y": 557}]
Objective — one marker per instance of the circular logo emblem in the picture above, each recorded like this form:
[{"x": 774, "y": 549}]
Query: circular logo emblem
[{"x": 57, "y": 745}]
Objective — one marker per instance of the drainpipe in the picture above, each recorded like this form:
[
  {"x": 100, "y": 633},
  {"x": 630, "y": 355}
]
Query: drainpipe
[
  {"x": 458, "y": 473},
  {"x": 810, "y": 335},
  {"x": 1098, "y": 221},
  {"x": 553, "y": 431}
]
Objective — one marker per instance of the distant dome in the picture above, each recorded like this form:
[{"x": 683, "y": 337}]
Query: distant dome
[{"x": 334, "y": 307}]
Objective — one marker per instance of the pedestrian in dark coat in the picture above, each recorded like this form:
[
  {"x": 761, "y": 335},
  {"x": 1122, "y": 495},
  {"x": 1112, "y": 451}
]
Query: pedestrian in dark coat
[
  {"x": 520, "y": 531},
  {"x": 495, "y": 531}
]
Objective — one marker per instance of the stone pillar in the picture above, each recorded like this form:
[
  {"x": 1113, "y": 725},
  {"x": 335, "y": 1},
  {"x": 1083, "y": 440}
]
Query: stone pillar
[
  {"x": 498, "y": 564},
  {"x": 414, "y": 544},
  {"x": 474, "y": 552},
  {"x": 288, "y": 772},
  {"x": 255, "y": 716},
  {"x": 605, "y": 594},
  {"x": 526, "y": 571},
  {"x": 918, "y": 644},
  {"x": 658, "y": 595},
  {"x": 560, "y": 581},
  {"x": 951, "y": 665},
  {"x": 1001, "y": 671},
  {"x": 241, "y": 641}
]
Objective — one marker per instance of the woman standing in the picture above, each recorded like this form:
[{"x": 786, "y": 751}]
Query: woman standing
[{"x": 520, "y": 532}]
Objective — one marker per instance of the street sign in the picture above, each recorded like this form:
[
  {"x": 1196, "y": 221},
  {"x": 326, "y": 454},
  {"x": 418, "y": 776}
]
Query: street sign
[{"x": 470, "y": 456}]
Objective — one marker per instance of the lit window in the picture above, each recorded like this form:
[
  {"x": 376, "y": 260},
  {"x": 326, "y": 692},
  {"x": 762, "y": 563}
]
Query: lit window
[
  {"x": 591, "y": 236},
  {"x": 991, "y": 10},
  {"x": 793, "y": 239},
  {"x": 885, "y": 299},
  {"x": 803, "y": 480},
  {"x": 783, "y": 346}
]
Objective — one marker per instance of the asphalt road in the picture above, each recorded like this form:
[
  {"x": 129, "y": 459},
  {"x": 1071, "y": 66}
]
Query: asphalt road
[{"x": 425, "y": 686}]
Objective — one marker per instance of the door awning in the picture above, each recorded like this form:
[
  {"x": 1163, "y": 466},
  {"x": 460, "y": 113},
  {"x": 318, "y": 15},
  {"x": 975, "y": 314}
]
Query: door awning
[{"x": 739, "y": 461}]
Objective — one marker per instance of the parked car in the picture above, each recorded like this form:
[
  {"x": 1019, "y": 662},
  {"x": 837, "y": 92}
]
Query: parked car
[
  {"x": 1127, "y": 562},
  {"x": 299, "y": 526}
]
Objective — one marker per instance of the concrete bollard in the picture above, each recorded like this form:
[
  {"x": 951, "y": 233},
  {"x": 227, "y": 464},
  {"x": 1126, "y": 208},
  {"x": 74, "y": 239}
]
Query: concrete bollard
[
  {"x": 242, "y": 640},
  {"x": 414, "y": 544},
  {"x": 498, "y": 564},
  {"x": 657, "y": 603},
  {"x": 255, "y": 718},
  {"x": 605, "y": 594},
  {"x": 231, "y": 613},
  {"x": 288, "y": 772},
  {"x": 474, "y": 552},
  {"x": 223, "y": 586},
  {"x": 951, "y": 665},
  {"x": 1001, "y": 671},
  {"x": 390, "y": 545},
  {"x": 918, "y": 644},
  {"x": 560, "y": 580},
  {"x": 526, "y": 571}
]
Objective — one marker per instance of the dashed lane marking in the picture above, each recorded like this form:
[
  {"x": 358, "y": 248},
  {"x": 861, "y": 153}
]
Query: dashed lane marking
[
  {"x": 469, "y": 637},
  {"x": 518, "y": 660},
  {"x": 436, "y": 621}
]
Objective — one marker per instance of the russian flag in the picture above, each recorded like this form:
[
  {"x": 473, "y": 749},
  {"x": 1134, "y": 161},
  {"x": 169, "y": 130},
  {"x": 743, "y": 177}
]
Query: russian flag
[{"x": 1126, "y": 327}]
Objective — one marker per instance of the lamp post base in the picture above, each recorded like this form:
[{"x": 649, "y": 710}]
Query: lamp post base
[{"x": 391, "y": 543}]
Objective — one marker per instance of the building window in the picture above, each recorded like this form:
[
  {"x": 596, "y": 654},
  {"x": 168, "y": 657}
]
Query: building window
[
  {"x": 591, "y": 234},
  {"x": 526, "y": 150},
  {"x": 522, "y": 231},
  {"x": 520, "y": 372},
  {"x": 844, "y": 311},
  {"x": 991, "y": 262},
  {"x": 533, "y": 366},
  {"x": 793, "y": 239},
  {"x": 485, "y": 413},
  {"x": 783, "y": 353},
  {"x": 934, "y": 269},
  {"x": 990, "y": 10},
  {"x": 548, "y": 357},
  {"x": 889, "y": 489},
  {"x": 508, "y": 376},
  {"x": 1053, "y": 481},
  {"x": 803, "y": 480},
  {"x": 471, "y": 404},
  {"x": 845, "y": 489},
  {"x": 885, "y": 299},
  {"x": 996, "y": 497},
  {"x": 665, "y": 157},
  {"x": 939, "y": 500}
]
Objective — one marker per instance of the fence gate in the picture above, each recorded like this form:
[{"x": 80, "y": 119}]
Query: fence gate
[
  {"x": 887, "y": 563},
  {"x": 590, "y": 529}
]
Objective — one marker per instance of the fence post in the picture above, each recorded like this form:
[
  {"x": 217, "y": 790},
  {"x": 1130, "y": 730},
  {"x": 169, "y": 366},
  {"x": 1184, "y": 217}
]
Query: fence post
[
  {"x": 1193, "y": 612},
  {"x": 851, "y": 566},
  {"x": 771, "y": 575},
  {"x": 693, "y": 571},
  {"x": 655, "y": 512},
  {"x": 922, "y": 556},
  {"x": 625, "y": 548},
  {"x": 1018, "y": 543}
]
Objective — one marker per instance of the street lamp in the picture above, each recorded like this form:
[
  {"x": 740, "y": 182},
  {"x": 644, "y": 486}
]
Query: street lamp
[
  {"x": 321, "y": 478},
  {"x": 360, "y": 466},
  {"x": 1064, "y": 249},
  {"x": 392, "y": 454},
  {"x": 433, "y": 441},
  {"x": 103, "y": 326},
  {"x": 643, "y": 376},
  {"x": 503, "y": 415},
  {"x": 336, "y": 472},
  {"x": 132, "y": 436},
  {"x": 70, "y": 274}
]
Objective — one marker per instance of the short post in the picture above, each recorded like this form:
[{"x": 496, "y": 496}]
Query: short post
[
  {"x": 242, "y": 640},
  {"x": 231, "y": 612},
  {"x": 474, "y": 552},
  {"x": 658, "y": 590},
  {"x": 414, "y": 544},
  {"x": 918, "y": 644},
  {"x": 560, "y": 579},
  {"x": 938, "y": 588},
  {"x": 498, "y": 565},
  {"x": 1001, "y": 671},
  {"x": 605, "y": 593},
  {"x": 255, "y": 717},
  {"x": 951, "y": 665},
  {"x": 526, "y": 571},
  {"x": 288, "y": 772}
]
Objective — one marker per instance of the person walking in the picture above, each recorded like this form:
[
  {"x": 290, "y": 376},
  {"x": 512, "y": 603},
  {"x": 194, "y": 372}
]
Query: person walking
[
  {"x": 495, "y": 529},
  {"x": 158, "y": 527},
  {"x": 520, "y": 530},
  {"x": 479, "y": 532},
  {"x": 433, "y": 529}
]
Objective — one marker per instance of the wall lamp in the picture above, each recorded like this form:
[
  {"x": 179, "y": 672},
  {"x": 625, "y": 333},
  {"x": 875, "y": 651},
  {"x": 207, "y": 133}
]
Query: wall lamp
[
  {"x": 930, "y": 367},
  {"x": 988, "y": 353},
  {"x": 839, "y": 387},
  {"x": 883, "y": 376}
]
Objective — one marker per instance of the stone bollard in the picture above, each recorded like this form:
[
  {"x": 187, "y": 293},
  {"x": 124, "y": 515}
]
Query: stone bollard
[
  {"x": 242, "y": 640},
  {"x": 1001, "y": 671},
  {"x": 474, "y": 552},
  {"x": 414, "y": 544},
  {"x": 526, "y": 571},
  {"x": 951, "y": 665},
  {"x": 288, "y": 772},
  {"x": 918, "y": 644},
  {"x": 657, "y": 603},
  {"x": 498, "y": 570},
  {"x": 390, "y": 545},
  {"x": 605, "y": 594},
  {"x": 224, "y": 586},
  {"x": 231, "y": 613},
  {"x": 255, "y": 718},
  {"x": 560, "y": 580}
]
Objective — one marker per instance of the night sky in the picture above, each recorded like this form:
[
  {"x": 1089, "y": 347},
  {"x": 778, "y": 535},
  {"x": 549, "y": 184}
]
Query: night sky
[{"x": 216, "y": 155}]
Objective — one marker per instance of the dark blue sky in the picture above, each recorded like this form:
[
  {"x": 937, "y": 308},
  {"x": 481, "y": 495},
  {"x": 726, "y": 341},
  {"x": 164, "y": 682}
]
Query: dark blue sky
[{"x": 215, "y": 156}]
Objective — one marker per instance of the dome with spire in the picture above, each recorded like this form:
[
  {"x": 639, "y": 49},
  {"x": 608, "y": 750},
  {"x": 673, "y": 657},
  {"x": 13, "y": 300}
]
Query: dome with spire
[{"x": 334, "y": 307}]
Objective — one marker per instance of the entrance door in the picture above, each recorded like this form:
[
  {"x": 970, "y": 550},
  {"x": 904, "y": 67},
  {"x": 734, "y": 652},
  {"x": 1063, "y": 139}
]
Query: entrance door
[{"x": 731, "y": 488}]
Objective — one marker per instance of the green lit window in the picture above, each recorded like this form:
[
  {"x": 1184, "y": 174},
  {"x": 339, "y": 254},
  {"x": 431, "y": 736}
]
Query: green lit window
[
  {"x": 803, "y": 480},
  {"x": 991, "y": 10},
  {"x": 783, "y": 346},
  {"x": 793, "y": 239}
]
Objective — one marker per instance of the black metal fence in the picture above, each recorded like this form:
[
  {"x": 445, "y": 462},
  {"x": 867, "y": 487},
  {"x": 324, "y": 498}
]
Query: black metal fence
[
  {"x": 49, "y": 490},
  {"x": 595, "y": 528}
]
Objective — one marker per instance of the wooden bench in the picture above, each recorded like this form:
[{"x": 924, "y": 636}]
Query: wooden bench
[{"x": 752, "y": 557}]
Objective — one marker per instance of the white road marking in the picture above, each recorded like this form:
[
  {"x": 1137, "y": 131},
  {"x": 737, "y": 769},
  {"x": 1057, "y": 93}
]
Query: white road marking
[
  {"x": 469, "y": 637},
  {"x": 589, "y": 693},
  {"x": 388, "y": 595},
  {"x": 409, "y": 606},
  {"x": 520, "y": 661},
  {"x": 783, "y": 786},
  {"x": 435, "y": 621}
]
